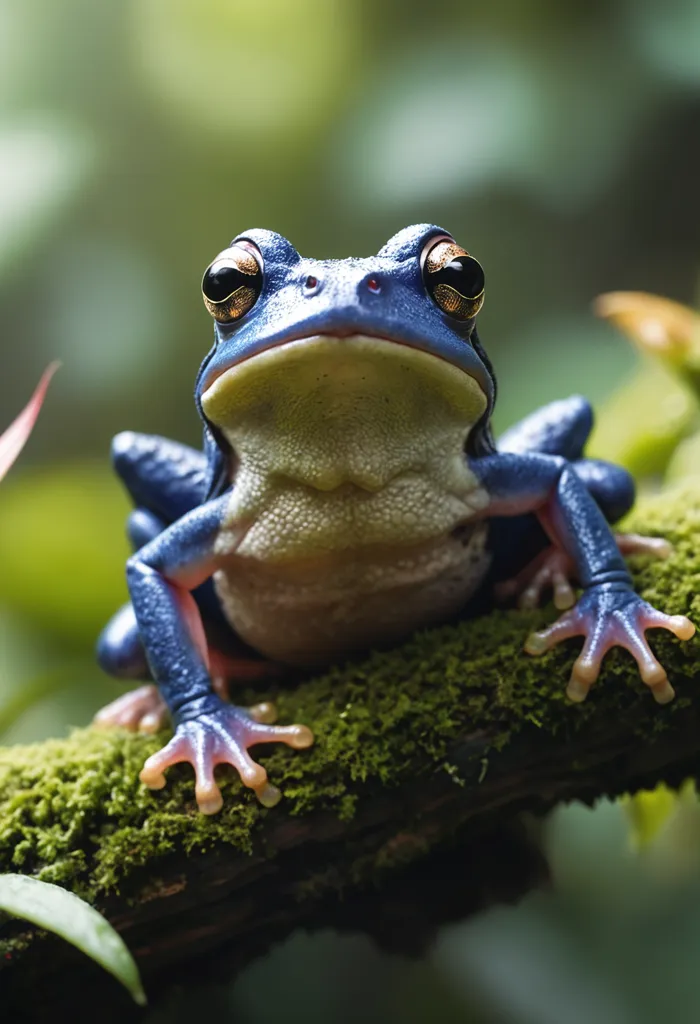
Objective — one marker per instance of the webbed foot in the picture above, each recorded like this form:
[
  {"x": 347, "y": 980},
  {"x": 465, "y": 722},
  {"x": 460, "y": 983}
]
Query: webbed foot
[
  {"x": 553, "y": 570},
  {"x": 223, "y": 736},
  {"x": 612, "y": 616}
]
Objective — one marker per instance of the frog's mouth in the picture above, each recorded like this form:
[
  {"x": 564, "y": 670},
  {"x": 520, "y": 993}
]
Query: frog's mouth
[
  {"x": 311, "y": 375},
  {"x": 355, "y": 408}
]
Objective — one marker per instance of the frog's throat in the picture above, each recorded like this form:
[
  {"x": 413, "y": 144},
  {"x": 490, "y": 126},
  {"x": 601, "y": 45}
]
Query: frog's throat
[
  {"x": 343, "y": 445},
  {"x": 330, "y": 410}
]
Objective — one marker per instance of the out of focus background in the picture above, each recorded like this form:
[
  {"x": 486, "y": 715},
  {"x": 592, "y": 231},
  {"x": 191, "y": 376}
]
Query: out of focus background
[{"x": 560, "y": 143}]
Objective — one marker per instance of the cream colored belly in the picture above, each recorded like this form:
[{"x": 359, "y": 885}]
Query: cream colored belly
[
  {"x": 350, "y": 486},
  {"x": 313, "y": 613}
]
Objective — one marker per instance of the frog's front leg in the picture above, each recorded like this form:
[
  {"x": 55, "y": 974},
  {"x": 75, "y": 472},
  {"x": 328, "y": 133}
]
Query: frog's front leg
[
  {"x": 609, "y": 613},
  {"x": 161, "y": 577},
  {"x": 163, "y": 476},
  {"x": 120, "y": 653}
]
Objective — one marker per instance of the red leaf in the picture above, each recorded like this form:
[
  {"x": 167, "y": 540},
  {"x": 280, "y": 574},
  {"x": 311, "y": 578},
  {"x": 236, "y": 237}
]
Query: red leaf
[{"x": 15, "y": 437}]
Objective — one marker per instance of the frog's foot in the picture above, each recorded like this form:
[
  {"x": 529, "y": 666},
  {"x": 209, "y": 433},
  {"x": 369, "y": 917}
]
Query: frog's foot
[
  {"x": 612, "y": 616},
  {"x": 264, "y": 712},
  {"x": 551, "y": 570},
  {"x": 223, "y": 736},
  {"x": 636, "y": 544},
  {"x": 554, "y": 570},
  {"x": 144, "y": 710},
  {"x": 141, "y": 710}
]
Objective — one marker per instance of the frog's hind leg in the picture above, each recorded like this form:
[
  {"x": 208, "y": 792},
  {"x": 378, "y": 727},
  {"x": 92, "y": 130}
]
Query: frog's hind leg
[
  {"x": 165, "y": 480},
  {"x": 562, "y": 428},
  {"x": 162, "y": 476},
  {"x": 120, "y": 653}
]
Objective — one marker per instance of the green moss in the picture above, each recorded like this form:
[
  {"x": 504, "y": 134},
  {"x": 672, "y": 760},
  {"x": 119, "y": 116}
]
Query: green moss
[{"x": 73, "y": 811}]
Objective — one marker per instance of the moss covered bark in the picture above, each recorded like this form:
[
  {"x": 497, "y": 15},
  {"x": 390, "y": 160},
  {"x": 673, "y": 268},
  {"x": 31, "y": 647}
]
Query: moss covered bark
[{"x": 455, "y": 730}]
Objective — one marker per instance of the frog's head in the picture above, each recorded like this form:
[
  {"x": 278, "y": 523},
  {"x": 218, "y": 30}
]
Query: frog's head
[{"x": 420, "y": 293}]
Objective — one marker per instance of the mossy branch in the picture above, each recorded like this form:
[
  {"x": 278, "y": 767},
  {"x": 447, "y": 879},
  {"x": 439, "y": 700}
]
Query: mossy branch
[{"x": 425, "y": 757}]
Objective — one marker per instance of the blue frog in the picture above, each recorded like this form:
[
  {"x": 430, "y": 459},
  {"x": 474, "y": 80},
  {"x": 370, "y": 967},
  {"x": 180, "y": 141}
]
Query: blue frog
[{"x": 349, "y": 492}]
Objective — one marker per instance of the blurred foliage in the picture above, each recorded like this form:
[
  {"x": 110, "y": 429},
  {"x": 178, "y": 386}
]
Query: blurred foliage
[
  {"x": 63, "y": 548},
  {"x": 558, "y": 143},
  {"x": 645, "y": 424}
]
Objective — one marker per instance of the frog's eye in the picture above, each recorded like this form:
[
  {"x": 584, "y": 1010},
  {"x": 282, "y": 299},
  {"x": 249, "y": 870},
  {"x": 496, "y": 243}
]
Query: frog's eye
[
  {"x": 232, "y": 283},
  {"x": 453, "y": 279}
]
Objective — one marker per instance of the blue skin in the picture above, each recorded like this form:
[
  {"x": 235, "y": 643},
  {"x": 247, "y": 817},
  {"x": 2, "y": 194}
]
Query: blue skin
[{"x": 538, "y": 484}]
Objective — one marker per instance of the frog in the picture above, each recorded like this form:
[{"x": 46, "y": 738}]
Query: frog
[{"x": 349, "y": 491}]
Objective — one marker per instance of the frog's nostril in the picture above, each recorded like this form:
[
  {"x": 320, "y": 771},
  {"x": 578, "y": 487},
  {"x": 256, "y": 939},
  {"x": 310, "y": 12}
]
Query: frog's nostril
[{"x": 374, "y": 285}]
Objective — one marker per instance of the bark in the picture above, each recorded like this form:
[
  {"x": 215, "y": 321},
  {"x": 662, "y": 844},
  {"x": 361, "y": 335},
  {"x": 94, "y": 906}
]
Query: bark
[{"x": 438, "y": 851}]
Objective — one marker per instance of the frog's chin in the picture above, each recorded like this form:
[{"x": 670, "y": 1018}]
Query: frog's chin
[
  {"x": 310, "y": 383},
  {"x": 345, "y": 444}
]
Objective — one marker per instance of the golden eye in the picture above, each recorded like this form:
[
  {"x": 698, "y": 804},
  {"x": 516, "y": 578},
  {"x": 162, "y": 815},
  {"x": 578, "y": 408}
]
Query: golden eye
[
  {"x": 454, "y": 279},
  {"x": 232, "y": 283}
]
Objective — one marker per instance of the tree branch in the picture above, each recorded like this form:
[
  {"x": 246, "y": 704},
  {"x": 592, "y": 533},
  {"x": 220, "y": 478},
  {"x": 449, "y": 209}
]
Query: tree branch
[{"x": 405, "y": 814}]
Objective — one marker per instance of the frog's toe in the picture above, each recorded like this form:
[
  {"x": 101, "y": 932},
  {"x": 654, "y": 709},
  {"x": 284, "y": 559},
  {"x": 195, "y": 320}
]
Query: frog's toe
[
  {"x": 612, "y": 619},
  {"x": 644, "y": 616},
  {"x": 223, "y": 737},
  {"x": 566, "y": 626},
  {"x": 265, "y": 712},
  {"x": 551, "y": 571},
  {"x": 637, "y": 544},
  {"x": 141, "y": 710},
  {"x": 587, "y": 666},
  {"x": 553, "y": 575},
  {"x": 181, "y": 748},
  {"x": 650, "y": 668},
  {"x": 631, "y": 632}
]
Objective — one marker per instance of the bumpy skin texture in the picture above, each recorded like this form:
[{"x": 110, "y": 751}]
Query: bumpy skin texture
[{"x": 349, "y": 492}]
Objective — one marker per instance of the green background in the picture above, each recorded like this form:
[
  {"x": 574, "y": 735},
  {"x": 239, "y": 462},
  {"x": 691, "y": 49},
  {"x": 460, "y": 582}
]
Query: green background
[{"x": 559, "y": 142}]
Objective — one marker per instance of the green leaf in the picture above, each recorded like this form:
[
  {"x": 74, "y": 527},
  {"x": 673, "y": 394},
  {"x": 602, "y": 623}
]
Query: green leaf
[
  {"x": 642, "y": 423},
  {"x": 62, "y": 912},
  {"x": 649, "y": 811},
  {"x": 685, "y": 461}
]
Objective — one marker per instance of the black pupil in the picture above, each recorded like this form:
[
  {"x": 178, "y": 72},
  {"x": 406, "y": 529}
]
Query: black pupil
[
  {"x": 223, "y": 280},
  {"x": 464, "y": 274}
]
